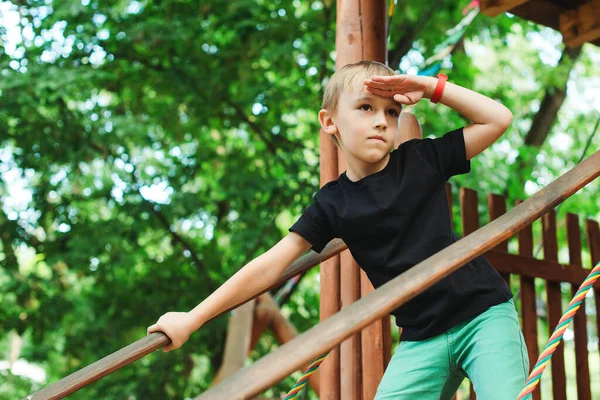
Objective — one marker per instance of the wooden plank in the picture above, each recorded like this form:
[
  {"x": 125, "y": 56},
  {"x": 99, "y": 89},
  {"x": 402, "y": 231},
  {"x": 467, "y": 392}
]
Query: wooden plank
[
  {"x": 528, "y": 303},
  {"x": 497, "y": 207},
  {"x": 579, "y": 320},
  {"x": 330, "y": 332},
  {"x": 581, "y": 24},
  {"x": 470, "y": 223},
  {"x": 492, "y": 8},
  {"x": 593, "y": 236},
  {"x": 554, "y": 299},
  {"x": 278, "y": 364}
]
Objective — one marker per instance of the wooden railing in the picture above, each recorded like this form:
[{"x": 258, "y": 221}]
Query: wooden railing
[
  {"x": 553, "y": 273},
  {"x": 274, "y": 367}
]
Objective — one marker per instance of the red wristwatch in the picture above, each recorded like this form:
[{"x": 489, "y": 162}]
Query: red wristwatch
[{"x": 439, "y": 88}]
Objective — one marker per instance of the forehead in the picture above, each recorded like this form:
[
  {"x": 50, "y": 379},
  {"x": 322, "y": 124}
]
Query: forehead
[{"x": 357, "y": 93}]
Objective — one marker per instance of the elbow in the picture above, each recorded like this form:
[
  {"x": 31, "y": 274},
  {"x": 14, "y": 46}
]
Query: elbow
[
  {"x": 508, "y": 117},
  {"x": 505, "y": 118}
]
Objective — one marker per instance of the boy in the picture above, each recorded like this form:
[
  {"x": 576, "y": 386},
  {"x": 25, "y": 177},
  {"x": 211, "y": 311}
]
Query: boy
[{"x": 391, "y": 210}]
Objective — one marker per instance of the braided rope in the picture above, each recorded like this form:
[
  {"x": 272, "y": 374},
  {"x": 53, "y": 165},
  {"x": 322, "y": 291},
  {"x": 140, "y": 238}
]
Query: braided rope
[
  {"x": 304, "y": 379},
  {"x": 553, "y": 342}
]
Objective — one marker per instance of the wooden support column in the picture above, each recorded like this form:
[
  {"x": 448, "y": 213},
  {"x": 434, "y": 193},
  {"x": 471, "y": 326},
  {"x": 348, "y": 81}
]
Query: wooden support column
[
  {"x": 349, "y": 48},
  {"x": 581, "y": 24},
  {"x": 553, "y": 293},
  {"x": 330, "y": 280},
  {"x": 361, "y": 35}
]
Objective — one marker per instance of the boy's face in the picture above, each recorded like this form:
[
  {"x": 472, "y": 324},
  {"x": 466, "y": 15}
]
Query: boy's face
[{"x": 364, "y": 124}]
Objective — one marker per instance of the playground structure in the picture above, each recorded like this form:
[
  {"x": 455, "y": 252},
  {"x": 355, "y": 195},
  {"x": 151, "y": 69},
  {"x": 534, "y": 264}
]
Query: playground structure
[{"x": 364, "y": 323}]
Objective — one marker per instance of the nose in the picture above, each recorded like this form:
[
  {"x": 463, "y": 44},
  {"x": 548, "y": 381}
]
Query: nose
[{"x": 380, "y": 121}]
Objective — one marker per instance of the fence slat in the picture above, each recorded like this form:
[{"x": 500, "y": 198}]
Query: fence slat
[
  {"x": 470, "y": 223},
  {"x": 497, "y": 207},
  {"x": 528, "y": 304},
  {"x": 593, "y": 235},
  {"x": 580, "y": 319},
  {"x": 559, "y": 382}
]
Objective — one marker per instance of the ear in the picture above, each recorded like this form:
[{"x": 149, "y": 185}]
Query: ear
[{"x": 327, "y": 123}]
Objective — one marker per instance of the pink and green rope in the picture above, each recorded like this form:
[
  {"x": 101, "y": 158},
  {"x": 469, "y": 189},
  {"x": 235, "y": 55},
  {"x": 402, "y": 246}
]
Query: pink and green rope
[
  {"x": 553, "y": 342},
  {"x": 304, "y": 379}
]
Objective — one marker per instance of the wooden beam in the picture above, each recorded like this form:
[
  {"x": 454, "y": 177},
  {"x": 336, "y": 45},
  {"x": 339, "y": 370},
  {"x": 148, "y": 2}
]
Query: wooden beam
[
  {"x": 530, "y": 267},
  {"x": 581, "y": 24},
  {"x": 237, "y": 343},
  {"x": 319, "y": 339},
  {"x": 492, "y": 8}
]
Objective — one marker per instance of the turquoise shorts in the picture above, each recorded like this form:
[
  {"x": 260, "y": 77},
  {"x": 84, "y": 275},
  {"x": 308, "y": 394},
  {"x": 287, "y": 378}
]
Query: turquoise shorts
[{"x": 488, "y": 349}]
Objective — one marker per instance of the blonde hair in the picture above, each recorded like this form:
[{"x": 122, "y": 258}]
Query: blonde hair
[{"x": 348, "y": 77}]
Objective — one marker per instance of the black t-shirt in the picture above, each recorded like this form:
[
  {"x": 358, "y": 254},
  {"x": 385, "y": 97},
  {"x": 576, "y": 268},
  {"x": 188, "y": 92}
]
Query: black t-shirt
[{"x": 397, "y": 217}]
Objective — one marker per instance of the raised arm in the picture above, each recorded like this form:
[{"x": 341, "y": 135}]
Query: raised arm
[
  {"x": 253, "y": 278},
  {"x": 489, "y": 118}
]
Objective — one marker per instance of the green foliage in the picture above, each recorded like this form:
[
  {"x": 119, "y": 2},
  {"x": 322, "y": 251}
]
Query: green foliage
[{"x": 148, "y": 148}]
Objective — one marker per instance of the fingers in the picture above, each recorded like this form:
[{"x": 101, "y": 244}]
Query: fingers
[
  {"x": 380, "y": 92},
  {"x": 386, "y": 78},
  {"x": 378, "y": 85},
  {"x": 168, "y": 348},
  {"x": 400, "y": 98}
]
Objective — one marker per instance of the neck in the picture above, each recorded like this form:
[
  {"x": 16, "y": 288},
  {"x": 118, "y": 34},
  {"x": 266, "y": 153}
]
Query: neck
[{"x": 358, "y": 169}]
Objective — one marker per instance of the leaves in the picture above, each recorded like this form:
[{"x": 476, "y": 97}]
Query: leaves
[{"x": 159, "y": 142}]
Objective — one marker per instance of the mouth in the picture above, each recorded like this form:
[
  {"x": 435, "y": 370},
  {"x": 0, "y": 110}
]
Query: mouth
[{"x": 377, "y": 137}]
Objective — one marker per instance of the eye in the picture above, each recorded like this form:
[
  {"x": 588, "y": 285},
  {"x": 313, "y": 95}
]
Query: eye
[
  {"x": 393, "y": 112},
  {"x": 365, "y": 107}
]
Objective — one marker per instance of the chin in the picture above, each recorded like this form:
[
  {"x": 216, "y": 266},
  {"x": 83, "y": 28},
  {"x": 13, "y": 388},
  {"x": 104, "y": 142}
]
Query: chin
[{"x": 373, "y": 157}]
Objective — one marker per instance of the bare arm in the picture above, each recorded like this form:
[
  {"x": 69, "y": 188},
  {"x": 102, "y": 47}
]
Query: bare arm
[
  {"x": 489, "y": 118},
  {"x": 253, "y": 278}
]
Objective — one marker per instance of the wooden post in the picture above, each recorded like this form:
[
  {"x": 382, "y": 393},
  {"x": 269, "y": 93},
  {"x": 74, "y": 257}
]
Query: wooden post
[
  {"x": 361, "y": 35},
  {"x": 559, "y": 383},
  {"x": 330, "y": 281},
  {"x": 580, "y": 319},
  {"x": 528, "y": 304}
]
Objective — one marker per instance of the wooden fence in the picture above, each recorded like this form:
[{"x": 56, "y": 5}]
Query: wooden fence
[{"x": 553, "y": 273}]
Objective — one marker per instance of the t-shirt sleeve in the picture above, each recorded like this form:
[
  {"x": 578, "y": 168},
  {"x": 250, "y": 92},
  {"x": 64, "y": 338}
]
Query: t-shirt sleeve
[
  {"x": 314, "y": 226},
  {"x": 446, "y": 154}
]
